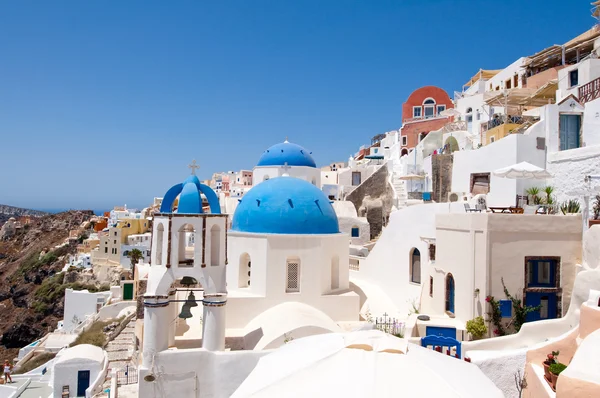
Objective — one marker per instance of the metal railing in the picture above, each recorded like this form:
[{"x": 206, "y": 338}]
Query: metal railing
[
  {"x": 459, "y": 125},
  {"x": 516, "y": 119},
  {"x": 589, "y": 91}
]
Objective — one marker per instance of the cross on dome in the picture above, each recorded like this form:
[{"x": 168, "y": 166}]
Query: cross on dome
[
  {"x": 286, "y": 140},
  {"x": 194, "y": 166}
]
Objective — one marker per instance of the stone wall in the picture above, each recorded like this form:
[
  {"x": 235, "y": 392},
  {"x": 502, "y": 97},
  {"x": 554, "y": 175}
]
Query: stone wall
[
  {"x": 441, "y": 170},
  {"x": 373, "y": 199}
]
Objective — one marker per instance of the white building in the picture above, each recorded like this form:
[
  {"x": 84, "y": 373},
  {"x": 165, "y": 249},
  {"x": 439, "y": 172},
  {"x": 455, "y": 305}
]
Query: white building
[
  {"x": 79, "y": 371},
  {"x": 79, "y": 304}
]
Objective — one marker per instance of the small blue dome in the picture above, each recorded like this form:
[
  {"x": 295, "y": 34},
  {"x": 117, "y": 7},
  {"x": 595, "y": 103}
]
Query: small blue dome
[
  {"x": 285, "y": 205},
  {"x": 286, "y": 152},
  {"x": 190, "y": 197}
]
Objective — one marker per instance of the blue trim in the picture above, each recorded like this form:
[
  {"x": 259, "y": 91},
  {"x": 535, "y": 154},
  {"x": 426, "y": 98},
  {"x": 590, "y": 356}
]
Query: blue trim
[
  {"x": 440, "y": 331},
  {"x": 442, "y": 342},
  {"x": 535, "y": 298},
  {"x": 286, "y": 152},
  {"x": 285, "y": 205},
  {"x": 167, "y": 204},
  {"x": 534, "y": 266},
  {"x": 355, "y": 232},
  {"x": 506, "y": 308}
]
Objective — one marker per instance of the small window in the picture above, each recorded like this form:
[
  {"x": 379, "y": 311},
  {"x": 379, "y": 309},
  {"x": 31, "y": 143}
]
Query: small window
[
  {"x": 416, "y": 111},
  {"x": 508, "y": 84},
  {"x": 573, "y": 78},
  {"x": 115, "y": 233},
  {"x": 429, "y": 101},
  {"x": 429, "y": 111},
  {"x": 356, "y": 178},
  {"x": 480, "y": 183},
  {"x": 441, "y": 108},
  {"x": 355, "y": 232},
  {"x": 293, "y": 276},
  {"x": 404, "y": 140},
  {"x": 431, "y": 286},
  {"x": 106, "y": 250},
  {"x": 515, "y": 80},
  {"x": 506, "y": 308},
  {"x": 415, "y": 266},
  {"x": 492, "y": 139}
]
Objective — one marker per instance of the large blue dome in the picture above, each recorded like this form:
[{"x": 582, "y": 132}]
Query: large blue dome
[
  {"x": 286, "y": 152},
  {"x": 285, "y": 205},
  {"x": 190, "y": 198}
]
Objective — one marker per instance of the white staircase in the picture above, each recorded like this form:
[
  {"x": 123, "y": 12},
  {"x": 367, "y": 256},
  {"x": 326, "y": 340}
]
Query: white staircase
[{"x": 399, "y": 185}]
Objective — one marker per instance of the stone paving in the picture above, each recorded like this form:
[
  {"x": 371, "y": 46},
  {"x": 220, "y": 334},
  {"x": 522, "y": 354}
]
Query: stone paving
[{"x": 120, "y": 352}]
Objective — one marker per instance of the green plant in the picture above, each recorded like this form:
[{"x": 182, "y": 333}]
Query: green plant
[
  {"x": 551, "y": 358},
  {"x": 520, "y": 311},
  {"x": 570, "y": 207},
  {"x": 596, "y": 208},
  {"x": 34, "y": 362},
  {"x": 287, "y": 338},
  {"x": 549, "y": 200},
  {"x": 495, "y": 315},
  {"x": 557, "y": 368},
  {"x": 534, "y": 193},
  {"x": 476, "y": 327},
  {"x": 135, "y": 255}
]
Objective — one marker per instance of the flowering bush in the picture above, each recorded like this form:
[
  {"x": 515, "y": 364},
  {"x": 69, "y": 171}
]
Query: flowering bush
[{"x": 495, "y": 316}]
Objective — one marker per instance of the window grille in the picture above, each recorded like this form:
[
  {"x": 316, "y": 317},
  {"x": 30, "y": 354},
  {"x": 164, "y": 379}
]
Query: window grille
[{"x": 293, "y": 276}]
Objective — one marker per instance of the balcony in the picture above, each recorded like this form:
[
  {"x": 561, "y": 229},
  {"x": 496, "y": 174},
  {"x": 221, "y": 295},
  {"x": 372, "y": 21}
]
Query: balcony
[
  {"x": 459, "y": 125},
  {"x": 589, "y": 91},
  {"x": 517, "y": 120}
]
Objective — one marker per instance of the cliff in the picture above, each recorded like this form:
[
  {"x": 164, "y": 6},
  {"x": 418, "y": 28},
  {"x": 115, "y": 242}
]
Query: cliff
[
  {"x": 31, "y": 286},
  {"x": 7, "y": 212}
]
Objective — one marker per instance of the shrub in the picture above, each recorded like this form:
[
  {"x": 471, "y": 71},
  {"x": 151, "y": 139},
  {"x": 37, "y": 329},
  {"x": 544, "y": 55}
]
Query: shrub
[
  {"x": 557, "y": 368},
  {"x": 570, "y": 207},
  {"x": 476, "y": 327},
  {"x": 34, "y": 362}
]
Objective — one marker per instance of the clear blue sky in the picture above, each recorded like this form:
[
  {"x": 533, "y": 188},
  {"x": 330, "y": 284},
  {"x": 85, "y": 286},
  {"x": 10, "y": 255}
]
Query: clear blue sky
[{"x": 106, "y": 102}]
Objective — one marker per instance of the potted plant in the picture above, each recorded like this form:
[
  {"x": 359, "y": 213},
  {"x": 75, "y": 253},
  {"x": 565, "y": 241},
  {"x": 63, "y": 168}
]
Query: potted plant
[
  {"x": 596, "y": 212},
  {"x": 570, "y": 207},
  {"x": 550, "y": 360},
  {"x": 476, "y": 328},
  {"x": 533, "y": 193},
  {"x": 555, "y": 370}
]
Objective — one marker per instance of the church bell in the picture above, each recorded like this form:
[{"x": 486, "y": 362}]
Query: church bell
[{"x": 186, "y": 307}]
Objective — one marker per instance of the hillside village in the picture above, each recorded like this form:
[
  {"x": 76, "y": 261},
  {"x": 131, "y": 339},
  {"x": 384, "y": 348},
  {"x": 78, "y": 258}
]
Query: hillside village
[{"x": 465, "y": 244}]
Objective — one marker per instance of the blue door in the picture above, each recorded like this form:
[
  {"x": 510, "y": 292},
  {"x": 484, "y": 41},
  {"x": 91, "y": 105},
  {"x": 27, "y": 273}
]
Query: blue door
[
  {"x": 450, "y": 293},
  {"x": 569, "y": 131},
  {"x": 83, "y": 382},
  {"x": 547, "y": 301}
]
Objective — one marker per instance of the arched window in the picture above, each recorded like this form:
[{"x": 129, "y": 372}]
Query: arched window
[
  {"x": 429, "y": 108},
  {"x": 292, "y": 275},
  {"x": 215, "y": 245},
  {"x": 335, "y": 273},
  {"x": 415, "y": 266},
  {"x": 160, "y": 230},
  {"x": 244, "y": 271},
  {"x": 404, "y": 152},
  {"x": 186, "y": 248},
  {"x": 450, "y": 293}
]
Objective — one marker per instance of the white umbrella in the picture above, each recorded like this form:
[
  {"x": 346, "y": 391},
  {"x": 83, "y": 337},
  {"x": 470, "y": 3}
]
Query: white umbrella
[
  {"x": 523, "y": 170},
  {"x": 450, "y": 112},
  {"x": 363, "y": 364}
]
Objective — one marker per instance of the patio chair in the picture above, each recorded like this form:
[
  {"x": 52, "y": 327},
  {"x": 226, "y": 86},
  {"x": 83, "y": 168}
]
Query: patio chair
[{"x": 470, "y": 209}]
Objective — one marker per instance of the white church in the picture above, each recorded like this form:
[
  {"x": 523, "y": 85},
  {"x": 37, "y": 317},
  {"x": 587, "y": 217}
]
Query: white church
[{"x": 279, "y": 273}]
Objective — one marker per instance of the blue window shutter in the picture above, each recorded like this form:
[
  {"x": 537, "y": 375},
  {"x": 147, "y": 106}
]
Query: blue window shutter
[
  {"x": 355, "y": 232},
  {"x": 506, "y": 308}
]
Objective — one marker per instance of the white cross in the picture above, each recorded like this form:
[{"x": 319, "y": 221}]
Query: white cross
[
  {"x": 194, "y": 166},
  {"x": 285, "y": 168}
]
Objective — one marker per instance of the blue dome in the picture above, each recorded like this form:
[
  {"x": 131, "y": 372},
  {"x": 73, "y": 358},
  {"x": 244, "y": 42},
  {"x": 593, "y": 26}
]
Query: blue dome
[
  {"x": 286, "y": 152},
  {"x": 285, "y": 205},
  {"x": 190, "y": 198}
]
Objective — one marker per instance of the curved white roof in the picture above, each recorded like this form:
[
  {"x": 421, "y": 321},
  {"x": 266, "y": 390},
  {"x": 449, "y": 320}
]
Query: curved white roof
[{"x": 81, "y": 352}]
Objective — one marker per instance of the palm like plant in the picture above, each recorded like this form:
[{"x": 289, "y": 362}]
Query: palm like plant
[
  {"x": 534, "y": 192},
  {"x": 549, "y": 199},
  {"x": 135, "y": 255}
]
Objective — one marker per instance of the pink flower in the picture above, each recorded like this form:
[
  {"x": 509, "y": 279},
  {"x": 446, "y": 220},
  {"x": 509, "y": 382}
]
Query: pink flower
[
  {"x": 488, "y": 298},
  {"x": 496, "y": 331}
]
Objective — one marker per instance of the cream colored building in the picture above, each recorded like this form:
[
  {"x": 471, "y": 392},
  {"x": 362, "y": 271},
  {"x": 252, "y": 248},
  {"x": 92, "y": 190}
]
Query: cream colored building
[{"x": 535, "y": 255}]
